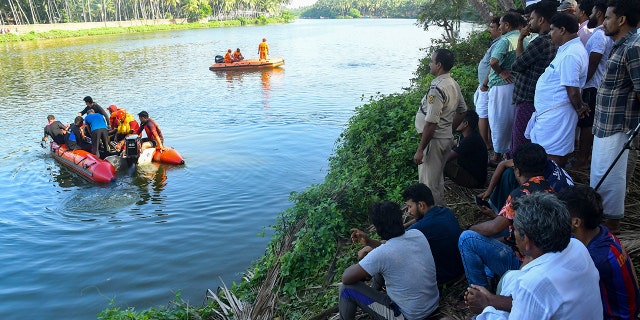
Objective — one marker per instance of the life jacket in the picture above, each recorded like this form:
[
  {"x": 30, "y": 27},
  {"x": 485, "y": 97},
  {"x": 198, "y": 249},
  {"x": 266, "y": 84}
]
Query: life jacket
[{"x": 125, "y": 126}]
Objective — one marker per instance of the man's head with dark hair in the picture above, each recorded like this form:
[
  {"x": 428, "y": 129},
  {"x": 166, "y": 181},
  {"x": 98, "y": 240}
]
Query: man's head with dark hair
[
  {"x": 445, "y": 58},
  {"x": 88, "y": 99},
  {"x": 387, "y": 219},
  {"x": 542, "y": 218},
  {"x": 597, "y": 13},
  {"x": 621, "y": 16},
  {"x": 541, "y": 16},
  {"x": 51, "y": 117},
  {"x": 418, "y": 192},
  {"x": 511, "y": 21},
  {"x": 584, "y": 10},
  {"x": 546, "y": 9},
  {"x": 565, "y": 20},
  {"x": 530, "y": 159},
  {"x": 78, "y": 121},
  {"x": 494, "y": 28},
  {"x": 471, "y": 118},
  {"x": 528, "y": 9},
  {"x": 584, "y": 203}
]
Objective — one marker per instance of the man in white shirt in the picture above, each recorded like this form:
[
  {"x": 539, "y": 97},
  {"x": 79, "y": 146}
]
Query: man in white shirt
[
  {"x": 559, "y": 279},
  {"x": 558, "y": 100},
  {"x": 598, "y": 48}
]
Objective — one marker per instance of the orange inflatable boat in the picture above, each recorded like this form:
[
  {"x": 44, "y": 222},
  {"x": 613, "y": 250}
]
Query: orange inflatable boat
[
  {"x": 248, "y": 64},
  {"x": 169, "y": 156},
  {"x": 84, "y": 163}
]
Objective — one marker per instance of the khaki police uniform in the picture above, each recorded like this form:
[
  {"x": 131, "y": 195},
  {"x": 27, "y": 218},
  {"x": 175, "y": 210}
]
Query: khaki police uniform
[{"x": 440, "y": 105}]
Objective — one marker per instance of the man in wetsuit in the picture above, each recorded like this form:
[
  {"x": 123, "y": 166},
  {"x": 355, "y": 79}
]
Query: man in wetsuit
[
  {"x": 55, "y": 129},
  {"x": 90, "y": 104},
  {"x": 154, "y": 137}
]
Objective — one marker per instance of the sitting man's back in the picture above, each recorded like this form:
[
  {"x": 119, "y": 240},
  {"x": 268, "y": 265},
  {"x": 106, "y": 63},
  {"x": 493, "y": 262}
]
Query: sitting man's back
[{"x": 409, "y": 273}]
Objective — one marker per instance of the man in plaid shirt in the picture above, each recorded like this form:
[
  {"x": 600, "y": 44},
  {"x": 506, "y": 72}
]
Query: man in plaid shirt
[
  {"x": 617, "y": 108},
  {"x": 530, "y": 63}
]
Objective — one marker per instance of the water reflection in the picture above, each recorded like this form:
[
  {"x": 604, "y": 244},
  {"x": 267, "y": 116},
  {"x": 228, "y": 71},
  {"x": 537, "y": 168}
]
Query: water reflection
[
  {"x": 269, "y": 78},
  {"x": 151, "y": 180}
]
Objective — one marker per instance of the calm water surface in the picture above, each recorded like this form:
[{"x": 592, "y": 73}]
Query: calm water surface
[{"x": 70, "y": 247}]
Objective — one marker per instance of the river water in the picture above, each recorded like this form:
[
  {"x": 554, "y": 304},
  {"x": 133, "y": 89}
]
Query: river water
[{"x": 70, "y": 247}]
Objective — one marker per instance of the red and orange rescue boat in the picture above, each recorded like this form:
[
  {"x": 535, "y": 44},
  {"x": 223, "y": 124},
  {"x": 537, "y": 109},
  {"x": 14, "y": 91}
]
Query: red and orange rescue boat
[
  {"x": 248, "y": 64},
  {"x": 84, "y": 163}
]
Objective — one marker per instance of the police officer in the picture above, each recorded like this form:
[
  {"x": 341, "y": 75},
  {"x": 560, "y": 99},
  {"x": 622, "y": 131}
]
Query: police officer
[{"x": 441, "y": 110}]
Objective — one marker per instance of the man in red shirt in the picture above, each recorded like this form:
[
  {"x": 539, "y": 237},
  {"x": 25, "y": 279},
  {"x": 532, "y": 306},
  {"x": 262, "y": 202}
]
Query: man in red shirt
[{"x": 154, "y": 137}]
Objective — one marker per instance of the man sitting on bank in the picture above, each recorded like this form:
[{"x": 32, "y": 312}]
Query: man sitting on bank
[
  {"x": 618, "y": 281},
  {"x": 441, "y": 228},
  {"x": 478, "y": 247},
  {"x": 558, "y": 279},
  {"x": 404, "y": 261},
  {"x": 503, "y": 181},
  {"x": 465, "y": 164}
]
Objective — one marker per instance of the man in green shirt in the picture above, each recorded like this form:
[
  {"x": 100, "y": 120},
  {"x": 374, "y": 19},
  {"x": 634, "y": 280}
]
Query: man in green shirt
[{"x": 500, "y": 83}]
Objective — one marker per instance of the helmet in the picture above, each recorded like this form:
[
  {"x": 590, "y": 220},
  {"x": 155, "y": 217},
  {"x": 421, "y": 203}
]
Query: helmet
[
  {"x": 120, "y": 114},
  {"x": 112, "y": 108}
]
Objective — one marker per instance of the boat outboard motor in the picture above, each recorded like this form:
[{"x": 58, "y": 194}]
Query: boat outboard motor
[
  {"x": 219, "y": 59},
  {"x": 131, "y": 149}
]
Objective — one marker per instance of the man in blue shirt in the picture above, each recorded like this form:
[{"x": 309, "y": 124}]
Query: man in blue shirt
[
  {"x": 99, "y": 132},
  {"x": 440, "y": 227}
]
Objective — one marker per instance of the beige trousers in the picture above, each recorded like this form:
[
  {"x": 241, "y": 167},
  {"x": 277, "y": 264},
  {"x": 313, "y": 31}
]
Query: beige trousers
[{"x": 431, "y": 171}]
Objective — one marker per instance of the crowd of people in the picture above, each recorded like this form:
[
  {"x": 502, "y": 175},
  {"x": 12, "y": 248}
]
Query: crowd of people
[
  {"x": 554, "y": 74},
  {"x": 103, "y": 133}
]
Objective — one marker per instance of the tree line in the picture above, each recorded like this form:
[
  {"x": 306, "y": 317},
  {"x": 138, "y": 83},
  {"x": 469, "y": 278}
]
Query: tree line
[
  {"x": 368, "y": 8},
  {"x": 61, "y": 11}
]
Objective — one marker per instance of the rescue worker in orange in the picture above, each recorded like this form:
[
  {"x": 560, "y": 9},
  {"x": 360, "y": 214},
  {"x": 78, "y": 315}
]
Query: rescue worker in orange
[
  {"x": 113, "y": 122},
  {"x": 237, "y": 56},
  {"x": 127, "y": 124},
  {"x": 154, "y": 134},
  {"x": 263, "y": 49},
  {"x": 227, "y": 57}
]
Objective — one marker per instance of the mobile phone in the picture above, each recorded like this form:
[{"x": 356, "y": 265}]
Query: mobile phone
[{"x": 481, "y": 202}]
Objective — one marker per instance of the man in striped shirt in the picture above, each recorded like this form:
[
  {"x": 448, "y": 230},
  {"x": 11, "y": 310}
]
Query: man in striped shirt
[{"x": 618, "y": 281}]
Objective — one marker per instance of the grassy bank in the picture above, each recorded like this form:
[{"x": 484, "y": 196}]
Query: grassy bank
[{"x": 151, "y": 27}]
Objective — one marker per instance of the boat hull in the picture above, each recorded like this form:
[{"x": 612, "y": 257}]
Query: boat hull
[
  {"x": 248, "y": 64},
  {"x": 168, "y": 156},
  {"x": 84, "y": 163}
]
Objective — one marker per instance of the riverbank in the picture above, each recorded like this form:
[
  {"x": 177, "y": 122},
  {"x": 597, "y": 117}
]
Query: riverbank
[
  {"x": 39, "y": 28},
  {"x": 70, "y": 30}
]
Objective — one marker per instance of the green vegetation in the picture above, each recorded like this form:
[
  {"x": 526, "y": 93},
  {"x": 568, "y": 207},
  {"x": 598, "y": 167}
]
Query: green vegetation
[
  {"x": 335, "y": 9},
  {"x": 54, "y": 34},
  {"x": 61, "y": 11}
]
